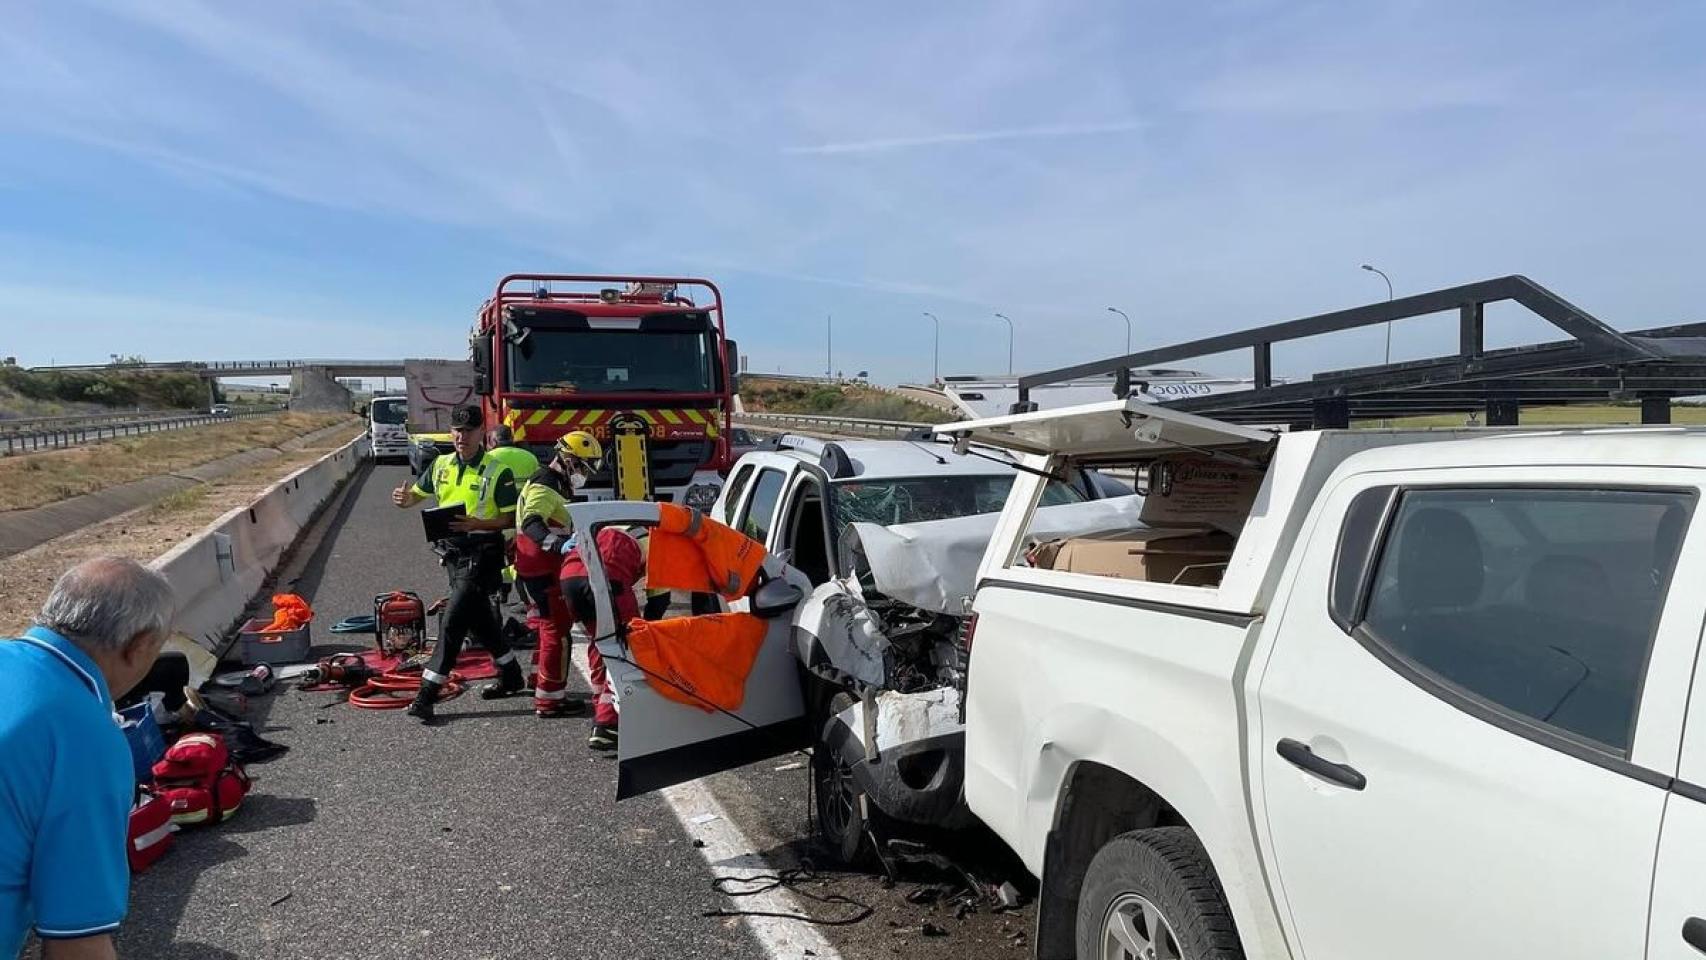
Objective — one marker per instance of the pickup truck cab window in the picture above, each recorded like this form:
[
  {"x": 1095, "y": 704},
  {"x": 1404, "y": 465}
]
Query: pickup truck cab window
[{"x": 1540, "y": 603}]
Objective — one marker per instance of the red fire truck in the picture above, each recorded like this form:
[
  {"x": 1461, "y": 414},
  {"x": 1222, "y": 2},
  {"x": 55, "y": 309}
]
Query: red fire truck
[{"x": 642, "y": 363}]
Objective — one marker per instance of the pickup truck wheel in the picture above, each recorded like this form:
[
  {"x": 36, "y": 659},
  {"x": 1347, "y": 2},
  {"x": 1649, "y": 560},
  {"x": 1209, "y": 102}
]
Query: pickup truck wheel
[
  {"x": 1152, "y": 895},
  {"x": 841, "y": 823}
]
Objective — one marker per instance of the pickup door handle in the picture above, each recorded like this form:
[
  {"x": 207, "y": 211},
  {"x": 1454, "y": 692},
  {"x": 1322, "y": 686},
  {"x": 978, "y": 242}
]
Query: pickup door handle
[
  {"x": 1298, "y": 754},
  {"x": 1694, "y": 933}
]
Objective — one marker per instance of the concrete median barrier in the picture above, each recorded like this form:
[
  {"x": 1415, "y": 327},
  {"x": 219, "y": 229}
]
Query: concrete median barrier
[{"x": 218, "y": 571}]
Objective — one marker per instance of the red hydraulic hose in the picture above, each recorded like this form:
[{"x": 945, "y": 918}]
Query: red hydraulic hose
[{"x": 368, "y": 696}]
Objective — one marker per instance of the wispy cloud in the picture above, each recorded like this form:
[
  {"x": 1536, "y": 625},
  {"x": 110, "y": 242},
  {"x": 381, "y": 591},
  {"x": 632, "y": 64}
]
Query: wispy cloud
[
  {"x": 1049, "y": 132},
  {"x": 1227, "y": 164}
]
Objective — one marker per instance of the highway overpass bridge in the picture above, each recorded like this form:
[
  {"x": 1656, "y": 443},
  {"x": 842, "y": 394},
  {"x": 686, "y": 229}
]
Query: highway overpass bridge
[
  {"x": 313, "y": 383},
  {"x": 217, "y": 369}
]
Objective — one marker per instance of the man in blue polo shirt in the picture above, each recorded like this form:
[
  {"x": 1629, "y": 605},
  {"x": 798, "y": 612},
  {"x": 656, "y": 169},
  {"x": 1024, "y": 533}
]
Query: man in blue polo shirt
[{"x": 67, "y": 781}]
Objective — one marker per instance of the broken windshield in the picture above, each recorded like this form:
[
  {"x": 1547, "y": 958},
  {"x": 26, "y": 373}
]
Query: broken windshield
[
  {"x": 611, "y": 361},
  {"x": 922, "y": 499}
]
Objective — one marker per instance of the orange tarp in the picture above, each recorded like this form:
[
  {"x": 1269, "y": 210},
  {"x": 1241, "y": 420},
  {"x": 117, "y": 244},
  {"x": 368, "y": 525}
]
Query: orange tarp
[
  {"x": 289, "y": 612},
  {"x": 691, "y": 552},
  {"x": 699, "y": 661}
]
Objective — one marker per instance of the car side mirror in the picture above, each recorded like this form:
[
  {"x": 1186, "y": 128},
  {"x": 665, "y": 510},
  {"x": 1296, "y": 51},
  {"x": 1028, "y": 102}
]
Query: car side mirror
[{"x": 776, "y": 598}]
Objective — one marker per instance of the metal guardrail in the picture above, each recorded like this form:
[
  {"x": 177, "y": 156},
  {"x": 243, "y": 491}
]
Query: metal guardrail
[
  {"x": 856, "y": 426},
  {"x": 33, "y": 424},
  {"x": 224, "y": 365},
  {"x": 792, "y": 377},
  {"x": 61, "y": 436}
]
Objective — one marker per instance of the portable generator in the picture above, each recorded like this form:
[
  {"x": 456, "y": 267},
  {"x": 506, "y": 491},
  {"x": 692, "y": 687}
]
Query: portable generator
[{"x": 399, "y": 623}]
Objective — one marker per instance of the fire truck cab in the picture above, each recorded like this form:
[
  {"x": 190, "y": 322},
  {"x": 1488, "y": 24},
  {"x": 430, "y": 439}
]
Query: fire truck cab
[{"x": 641, "y": 363}]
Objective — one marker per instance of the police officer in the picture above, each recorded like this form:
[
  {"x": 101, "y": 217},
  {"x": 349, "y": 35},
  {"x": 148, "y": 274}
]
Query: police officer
[
  {"x": 524, "y": 465},
  {"x": 473, "y": 555},
  {"x": 542, "y": 526},
  {"x": 521, "y": 461}
]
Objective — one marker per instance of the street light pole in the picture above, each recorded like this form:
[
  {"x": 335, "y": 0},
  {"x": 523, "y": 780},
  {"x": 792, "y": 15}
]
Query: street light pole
[
  {"x": 935, "y": 349},
  {"x": 828, "y": 345},
  {"x": 1009, "y": 342},
  {"x": 1127, "y": 319},
  {"x": 1383, "y": 276}
]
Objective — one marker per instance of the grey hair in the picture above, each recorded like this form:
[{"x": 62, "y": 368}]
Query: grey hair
[{"x": 100, "y": 604}]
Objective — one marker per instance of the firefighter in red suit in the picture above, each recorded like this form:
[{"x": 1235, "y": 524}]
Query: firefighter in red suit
[
  {"x": 543, "y": 528},
  {"x": 624, "y": 565}
]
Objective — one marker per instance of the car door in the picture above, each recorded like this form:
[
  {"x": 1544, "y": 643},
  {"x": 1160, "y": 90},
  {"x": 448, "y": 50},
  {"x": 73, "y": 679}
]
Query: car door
[
  {"x": 1470, "y": 712},
  {"x": 664, "y": 742},
  {"x": 1678, "y": 927}
]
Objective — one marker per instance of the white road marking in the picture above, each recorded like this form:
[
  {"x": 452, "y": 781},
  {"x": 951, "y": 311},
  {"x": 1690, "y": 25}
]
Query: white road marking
[{"x": 704, "y": 819}]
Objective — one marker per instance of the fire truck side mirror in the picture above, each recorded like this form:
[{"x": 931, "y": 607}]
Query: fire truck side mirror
[
  {"x": 480, "y": 357},
  {"x": 731, "y": 363}
]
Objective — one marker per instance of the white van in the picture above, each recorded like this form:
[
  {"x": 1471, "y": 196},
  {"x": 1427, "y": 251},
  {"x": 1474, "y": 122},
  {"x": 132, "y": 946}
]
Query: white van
[{"x": 386, "y": 431}]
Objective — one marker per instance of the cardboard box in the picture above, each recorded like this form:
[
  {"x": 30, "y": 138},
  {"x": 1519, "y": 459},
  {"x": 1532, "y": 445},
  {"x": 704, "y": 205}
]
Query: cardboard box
[
  {"x": 1205, "y": 492},
  {"x": 1193, "y": 556}
]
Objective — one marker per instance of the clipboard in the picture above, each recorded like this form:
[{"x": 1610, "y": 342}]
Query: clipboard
[{"x": 436, "y": 521}]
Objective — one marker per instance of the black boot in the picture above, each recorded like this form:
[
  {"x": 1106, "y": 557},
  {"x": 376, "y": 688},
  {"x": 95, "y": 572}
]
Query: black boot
[
  {"x": 509, "y": 683},
  {"x": 422, "y": 707}
]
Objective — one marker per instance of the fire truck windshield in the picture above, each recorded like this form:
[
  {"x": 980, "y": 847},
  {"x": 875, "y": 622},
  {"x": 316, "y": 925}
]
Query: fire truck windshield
[{"x": 610, "y": 361}]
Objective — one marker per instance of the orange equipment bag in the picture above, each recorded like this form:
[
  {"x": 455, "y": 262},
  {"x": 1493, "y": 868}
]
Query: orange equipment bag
[
  {"x": 699, "y": 661},
  {"x": 289, "y": 613},
  {"x": 692, "y": 552}
]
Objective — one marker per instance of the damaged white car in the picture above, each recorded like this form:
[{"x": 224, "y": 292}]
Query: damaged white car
[{"x": 874, "y": 546}]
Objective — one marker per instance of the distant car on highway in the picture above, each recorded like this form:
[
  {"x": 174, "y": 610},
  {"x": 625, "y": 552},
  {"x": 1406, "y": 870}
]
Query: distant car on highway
[
  {"x": 742, "y": 441},
  {"x": 424, "y": 450},
  {"x": 219, "y": 410}
]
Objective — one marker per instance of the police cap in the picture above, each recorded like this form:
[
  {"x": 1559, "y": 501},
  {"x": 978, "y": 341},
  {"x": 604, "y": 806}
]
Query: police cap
[{"x": 468, "y": 417}]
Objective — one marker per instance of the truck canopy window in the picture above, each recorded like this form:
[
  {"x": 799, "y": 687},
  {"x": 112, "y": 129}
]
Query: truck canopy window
[
  {"x": 1179, "y": 527},
  {"x": 1539, "y": 602}
]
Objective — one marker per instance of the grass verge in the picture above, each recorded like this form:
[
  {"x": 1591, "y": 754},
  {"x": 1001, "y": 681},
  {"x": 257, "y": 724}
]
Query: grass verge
[
  {"x": 844, "y": 400},
  {"x": 34, "y": 479},
  {"x": 1583, "y": 416},
  {"x": 142, "y": 534}
]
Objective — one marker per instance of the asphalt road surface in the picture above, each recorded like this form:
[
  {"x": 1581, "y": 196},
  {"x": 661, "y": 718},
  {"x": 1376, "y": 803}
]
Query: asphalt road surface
[{"x": 495, "y": 835}]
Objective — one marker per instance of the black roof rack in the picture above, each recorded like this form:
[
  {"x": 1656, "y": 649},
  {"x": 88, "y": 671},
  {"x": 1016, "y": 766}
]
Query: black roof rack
[{"x": 1597, "y": 364}]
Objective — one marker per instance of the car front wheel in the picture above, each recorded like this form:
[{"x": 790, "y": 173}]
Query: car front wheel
[
  {"x": 1153, "y": 895},
  {"x": 840, "y": 804}
]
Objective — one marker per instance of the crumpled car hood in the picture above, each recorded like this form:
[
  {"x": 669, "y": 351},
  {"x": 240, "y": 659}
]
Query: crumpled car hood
[{"x": 934, "y": 565}]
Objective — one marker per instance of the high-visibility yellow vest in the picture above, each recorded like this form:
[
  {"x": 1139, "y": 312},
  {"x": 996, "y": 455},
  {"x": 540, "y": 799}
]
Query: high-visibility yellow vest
[
  {"x": 543, "y": 501},
  {"x": 473, "y": 485},
  {"x": 520, "y": 461}
]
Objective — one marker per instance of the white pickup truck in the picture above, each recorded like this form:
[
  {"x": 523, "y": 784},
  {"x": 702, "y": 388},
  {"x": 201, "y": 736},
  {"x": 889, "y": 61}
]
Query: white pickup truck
[{"x": 1349, "y": 695}]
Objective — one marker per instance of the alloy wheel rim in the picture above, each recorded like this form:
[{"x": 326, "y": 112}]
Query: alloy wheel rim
[
  {"x": 1135, "y": 929},
  {"x": 837, "y": 797}
]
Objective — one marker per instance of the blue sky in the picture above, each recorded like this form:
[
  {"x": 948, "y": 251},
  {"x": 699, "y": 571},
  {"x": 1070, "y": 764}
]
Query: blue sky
[{"x": 218, "y": 180}]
